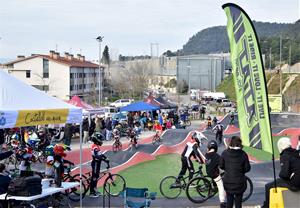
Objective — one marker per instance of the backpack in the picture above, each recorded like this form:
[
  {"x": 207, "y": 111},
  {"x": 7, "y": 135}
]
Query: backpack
[{"x": 25, "y": 186}]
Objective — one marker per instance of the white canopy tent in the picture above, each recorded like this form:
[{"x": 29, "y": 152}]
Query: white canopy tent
[{"x": 24, "y": 105}]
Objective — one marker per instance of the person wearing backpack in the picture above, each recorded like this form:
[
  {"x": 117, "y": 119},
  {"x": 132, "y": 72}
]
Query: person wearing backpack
[
  {"x": 289, "y": 175},
  {"x": 218, "y": 129}
]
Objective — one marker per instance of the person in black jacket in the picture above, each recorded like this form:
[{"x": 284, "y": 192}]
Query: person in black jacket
[
  {"x": 290, "y": 169},
  {"x": 212, "y": 169},
  {"x": 235, "y": 162},
  {"x": 85, "y": 129}
]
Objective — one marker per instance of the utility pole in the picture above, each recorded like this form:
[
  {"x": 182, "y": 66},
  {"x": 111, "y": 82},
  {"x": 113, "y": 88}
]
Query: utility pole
[
  {"x": 99, "y": 39},
  {"x": 270, "y": 65},
  {"x": 280, "y": 73}
]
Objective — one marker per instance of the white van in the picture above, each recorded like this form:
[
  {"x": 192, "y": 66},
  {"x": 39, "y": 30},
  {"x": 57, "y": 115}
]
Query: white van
[
  {"x": 109, "y": 111},
  {"x": 226, "y": 102}
]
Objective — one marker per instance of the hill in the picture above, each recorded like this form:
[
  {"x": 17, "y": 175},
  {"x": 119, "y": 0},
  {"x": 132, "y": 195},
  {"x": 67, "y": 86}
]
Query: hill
[{"x": 215, "y": 40}]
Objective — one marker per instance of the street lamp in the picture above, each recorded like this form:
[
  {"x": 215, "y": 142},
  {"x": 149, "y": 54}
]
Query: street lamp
[
  {"x": 189, "y": 80},
  {"x": 99, "y": 39}
]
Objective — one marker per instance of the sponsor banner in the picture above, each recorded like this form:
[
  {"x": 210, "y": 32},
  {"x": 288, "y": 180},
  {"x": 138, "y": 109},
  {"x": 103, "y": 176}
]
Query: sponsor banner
[
  {"x": 275, "y": 103},
  {"x": 41, "y": 117},
  {"x": 249, "y": 80}
]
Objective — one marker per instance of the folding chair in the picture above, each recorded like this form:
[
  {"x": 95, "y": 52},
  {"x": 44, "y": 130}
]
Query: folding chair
[{"x": 142, "y": 198}]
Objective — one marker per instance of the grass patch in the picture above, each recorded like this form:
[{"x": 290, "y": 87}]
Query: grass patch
[
  {"x": 262, "y": 155},
  {"x": 149, "y": 174}
]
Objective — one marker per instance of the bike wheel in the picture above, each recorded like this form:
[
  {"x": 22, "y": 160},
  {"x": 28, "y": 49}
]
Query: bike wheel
[
  {"x": 247, "y": 194},
  {"x": 74, "y": 193},
  {"x": 120, "y": 146},
  {"x": 85, "y": 182},
  {"x": 166, "y": 190},
  {"x": 114, "y": 184},
  {"x": 115, "y": 147},
  {"x": 198, "y": 190},
  {"x": 188, "y": 123},
  {"x": 155, "y": 139}
]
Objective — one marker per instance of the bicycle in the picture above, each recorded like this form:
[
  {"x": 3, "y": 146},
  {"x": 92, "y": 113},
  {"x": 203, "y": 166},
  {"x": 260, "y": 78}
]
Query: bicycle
[
  {"x": 170, "y": 192},
  {"x": 113, "y": 183},
  {"x": 201, "y": 188},
  {"x": 156, "y": 138},
  {"x": 117, "y": 145}
]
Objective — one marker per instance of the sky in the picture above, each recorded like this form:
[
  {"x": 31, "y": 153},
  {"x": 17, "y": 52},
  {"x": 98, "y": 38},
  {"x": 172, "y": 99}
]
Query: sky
[{"x": 128, "y": 26}]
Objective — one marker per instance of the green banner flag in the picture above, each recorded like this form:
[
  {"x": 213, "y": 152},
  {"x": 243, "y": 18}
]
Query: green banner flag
[{"x": 249, "y": 79}]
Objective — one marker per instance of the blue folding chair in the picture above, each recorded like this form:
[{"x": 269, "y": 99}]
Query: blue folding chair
[{"x": 141, "y": 196}]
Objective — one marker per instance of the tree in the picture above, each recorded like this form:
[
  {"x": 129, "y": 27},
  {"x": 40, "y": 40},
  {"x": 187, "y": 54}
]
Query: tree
[
  {"x": 182, "y": 86},
  {"x": 171, "y": 83},
  {"x": 133, "y": 80},
  {"x": 105, "y": 56}
]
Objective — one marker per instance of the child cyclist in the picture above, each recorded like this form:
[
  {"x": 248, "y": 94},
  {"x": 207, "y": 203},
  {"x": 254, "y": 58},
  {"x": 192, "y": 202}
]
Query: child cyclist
[
  {"x": 98, "y": 157},
  {"x": 212, "y": 169}
]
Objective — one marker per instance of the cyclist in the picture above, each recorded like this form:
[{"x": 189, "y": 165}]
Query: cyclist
[
  {"x": 231, "y": 116},
  {"x": 212, "y": 169},
  {"x": 191, "y": 149},
  {"x": 98, "y": 157},
  {"x": 218, "y": 129},
  {"x": 59, "y": 161},
  {"x": 209, "y": 122}
]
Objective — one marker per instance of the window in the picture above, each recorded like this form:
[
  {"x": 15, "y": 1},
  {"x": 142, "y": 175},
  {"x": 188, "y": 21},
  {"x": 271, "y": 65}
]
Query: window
[
  {"x": 27, "y": 73},
  {"x": 71, "y": 76},
  {"x": 45, "y": 68}
]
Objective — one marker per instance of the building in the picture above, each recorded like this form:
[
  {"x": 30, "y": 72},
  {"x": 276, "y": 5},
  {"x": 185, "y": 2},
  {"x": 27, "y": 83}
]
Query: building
[
  {"x": 59, "y": 76},
  {"x": 202, "y": 71}
]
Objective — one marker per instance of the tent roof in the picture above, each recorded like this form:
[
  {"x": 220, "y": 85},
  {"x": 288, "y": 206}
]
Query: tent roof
[
  {"x": 151, "y": 100},
  {"x": 166, "y": 104},
  {"x": 139, "y": 106},
  {"x": 75, "y": 100},
  {"x": 16, "y": 96}
]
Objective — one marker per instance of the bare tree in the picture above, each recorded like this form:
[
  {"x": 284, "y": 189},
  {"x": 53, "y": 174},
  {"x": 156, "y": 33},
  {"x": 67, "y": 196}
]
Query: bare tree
[{"x": 133, "y": 80}]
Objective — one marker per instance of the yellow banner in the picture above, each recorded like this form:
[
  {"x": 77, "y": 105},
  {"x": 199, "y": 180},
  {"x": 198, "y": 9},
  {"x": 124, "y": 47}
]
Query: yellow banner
[
  {"x": 275, "y": 103},
  {"x": 40, "y": 117}
]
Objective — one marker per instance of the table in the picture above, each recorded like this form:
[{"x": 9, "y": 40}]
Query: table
[{"x": 45, "y": 192}]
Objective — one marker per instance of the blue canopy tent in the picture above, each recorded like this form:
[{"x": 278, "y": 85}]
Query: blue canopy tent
[{"x": 139, "y": 106}]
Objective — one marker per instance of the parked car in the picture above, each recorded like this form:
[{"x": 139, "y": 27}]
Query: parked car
[
  {"x": 226, "y": 102},
  {"x": 109, "y": 111},
  {"x": 121, "y": 103}
]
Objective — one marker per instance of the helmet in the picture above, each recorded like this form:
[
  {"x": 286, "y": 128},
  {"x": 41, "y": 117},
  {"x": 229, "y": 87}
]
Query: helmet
[
  {"x": 195, "y": 137},
  {"x": 15, "y": 136},
  {"x": 59, "y": 150},
  {"x": 97, "y": 139},
  {"x": 49, "y": 150},
  {"x": 212, "y": 145},
  {"x": 283, "y": 143}
]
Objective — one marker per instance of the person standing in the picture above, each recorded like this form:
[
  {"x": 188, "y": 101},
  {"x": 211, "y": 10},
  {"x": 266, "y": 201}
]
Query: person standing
[
  {"x": 68, "y": 134},
  {"x": 92, "y": 127},
  {"x": 85, "y": 128},
  {"x": 108, "y": 125},
  {"x": 234, "y": 161}
]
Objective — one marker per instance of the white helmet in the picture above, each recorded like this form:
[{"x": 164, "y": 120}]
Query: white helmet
[{"x": 283, "y": 143}]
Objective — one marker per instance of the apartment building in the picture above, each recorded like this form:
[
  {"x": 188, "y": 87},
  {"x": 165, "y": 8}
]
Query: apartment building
[{"x": 59, "y": 76}]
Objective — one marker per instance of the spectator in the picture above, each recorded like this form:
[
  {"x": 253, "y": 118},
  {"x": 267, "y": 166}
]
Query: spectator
[
  {"x": 176, "y": 119},
  {"x": 160, "y": 119},
  {"x": 2, "y": 139},
  {"x": 92, "y": 127},
  {"x": 68, "y": 134},
  {"x": 235, "y": 162},
  {"x": 85, "y": 128},
  {"x": 4, "y": 179},
  {"x": 108, "y": 125},
  {"x": 97, "y": 122},
  {"x": 290, "y": 169},
  {"x": 202, "y": 112},
  {"x": 130, "y": 119}
]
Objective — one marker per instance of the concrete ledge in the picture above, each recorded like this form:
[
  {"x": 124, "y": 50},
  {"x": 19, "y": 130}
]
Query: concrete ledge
[{"x": 291, "y": 199}]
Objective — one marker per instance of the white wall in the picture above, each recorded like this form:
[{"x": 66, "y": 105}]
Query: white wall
[{"x": 58, "y": 81}]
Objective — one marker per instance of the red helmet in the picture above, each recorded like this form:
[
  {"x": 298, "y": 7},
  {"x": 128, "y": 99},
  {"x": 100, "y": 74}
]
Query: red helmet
[{"x": 59, "y": 150}]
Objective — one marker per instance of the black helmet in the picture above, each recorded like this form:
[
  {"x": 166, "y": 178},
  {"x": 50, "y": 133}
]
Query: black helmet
[
  {"x": 195, "y": 137},
  {"x": 212, "y": 145},
  {"x": 97, "y": 139}
]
